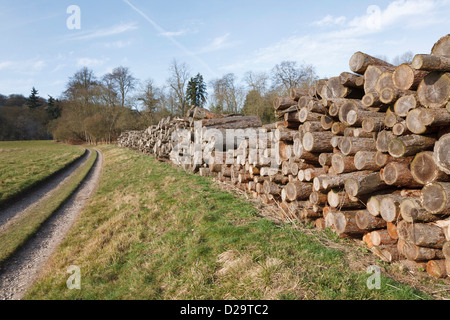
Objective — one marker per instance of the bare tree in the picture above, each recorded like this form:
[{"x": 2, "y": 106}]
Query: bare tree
[
  {"x": 288, "y": 75},
  {"x": 124, "y": 82},
  {"x": 179, "y": 76},
  {"x": 257, "y": 81},
  {"x": 406, "y": 57},
  {"x": 227, "y": 96}
]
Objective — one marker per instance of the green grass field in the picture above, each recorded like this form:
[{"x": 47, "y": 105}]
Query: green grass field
[
  {"x": 153, "y": 231},
  {"x": 25, "y": 163},
  {"x": 17, "y": 231}
]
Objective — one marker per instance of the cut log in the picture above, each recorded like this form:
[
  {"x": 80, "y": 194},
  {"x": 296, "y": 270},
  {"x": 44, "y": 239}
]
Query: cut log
[
  {"x": 359, "y": 62},
  {"x": 326, "y": 122},
  {"x": 298, "y": 190},
  {"x": 416, "y": 253},
  {"x": 381, "y": 237},
  {"x": 271, "y": 188},
  {"x": 334, "y": 89},
  {"x": 434, "y": 117},
  {"x": 371, "y": 100},
  {"x": 342, "y": 163},
  {"x": 384, "y": 137},
  {"x": 351, "y": 80},
  {"x": 400, "y": 129},
  {"x": 441, "y": 153},
  {"x": 426, "y": 235},
  {"x": 317, "y": 142},
  {"x": 424, "y": 169},
  {"x": 341, "y": 200},
  {"x": 398, "y": 174},
  {"x": 351, "y": 145},
  {"x": 311, "y": 173},
  {"x": 390, "y": 207},
  {"x": 318, "y": 197},
  {"x": 366, "y": 221},
  {"x": 281, "y": 103},
  {"x": 356, "y": 117},
  {"x": 437, "y": 268},
  {"x": 391, "y": 95},
  {"x": 329, "y": 182},
  {"x": 372, "y": 124},
  {"x": 391, "y": 228},
  {"x": 325, "y": 159},
  {"x": 430, "y": 62},
  {"x": 406, "y": 103},
  {"x": 446, "y": 250},
  {"x": 442, "y": 47},
  {"x": 238, "y": 122},
  {"x": 296, "y": 93},
  {"x": 371, "y": 77},
  {"x": 436, "y": 198},
  {"x": 434, "y": 90},
  {"x": 406, "y": 77},
  {"x": 412, "y": 211},
  {"x": 408, "y": 145},
  {"x": 366, "y": 160},
  {"x": 345, "y": 223},
  {"x": 366, "y": 184},
  {"x": 384, "y": 81}
]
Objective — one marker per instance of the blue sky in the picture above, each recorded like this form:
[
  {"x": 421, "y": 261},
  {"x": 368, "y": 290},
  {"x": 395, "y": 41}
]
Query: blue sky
[{"x": 211, "y": 37}]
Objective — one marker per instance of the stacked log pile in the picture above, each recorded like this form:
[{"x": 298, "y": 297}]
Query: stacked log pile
[{"x": 365, "y": 153}]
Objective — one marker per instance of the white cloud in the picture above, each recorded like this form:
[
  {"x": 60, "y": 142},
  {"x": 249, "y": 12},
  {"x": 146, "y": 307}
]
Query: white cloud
[
  {"x": 118, "y": 44},
  {"x": 5, "y": 64},
  {"x": 330, "y": 50},
  {"x": 219, "y": 43},
  {"x": 174, "y": 33},
  {"x": 89, "y": 62},
  {"x": 329, "y": 20},
  {"x": 101, "y": 33}
]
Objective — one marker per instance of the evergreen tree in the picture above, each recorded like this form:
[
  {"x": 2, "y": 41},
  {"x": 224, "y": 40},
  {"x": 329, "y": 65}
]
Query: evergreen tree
[
  {"x": 53, "y": 110},
  {"x": 196, "y": 91},
  {"x": 33, "y": 101}
]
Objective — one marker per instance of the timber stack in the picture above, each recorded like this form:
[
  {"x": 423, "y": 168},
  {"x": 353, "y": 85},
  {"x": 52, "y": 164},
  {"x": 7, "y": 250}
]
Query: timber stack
[{"x": 365, "y": 153}]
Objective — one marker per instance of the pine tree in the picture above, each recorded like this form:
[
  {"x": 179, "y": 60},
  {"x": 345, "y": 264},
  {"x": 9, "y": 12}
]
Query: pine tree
[
  {"x": 196, "y": 91},
  {"x": 33, "y": 101},
  {"x": 53, "y": 110}
]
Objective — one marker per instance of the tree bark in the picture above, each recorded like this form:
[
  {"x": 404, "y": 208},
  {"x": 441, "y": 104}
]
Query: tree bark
[
  {"x": 351, "y": 145},
  {"x": 412, "y": 211},
  {"x": 359, "y": 62},
  {"x": 345, "y": 223},
  {"x": 416, "y": 253},
  {"x": 365, "y": 184},
  {"x": 317, "y": 142},
  {"x": 298, "y": 190},
  {"x": 367, "y": 221},
  {"x": 404, "y": 146},
  {"x": 398, "y": 174},
  {"x": 426, "y": 235},
  {"x": 430, "y": 62},
  {"x": 381, "y": 237}
]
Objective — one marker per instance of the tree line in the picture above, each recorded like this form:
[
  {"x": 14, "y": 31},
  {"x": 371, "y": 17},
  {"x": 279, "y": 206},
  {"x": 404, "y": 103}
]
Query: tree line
[{"x": 98, "y": 108}]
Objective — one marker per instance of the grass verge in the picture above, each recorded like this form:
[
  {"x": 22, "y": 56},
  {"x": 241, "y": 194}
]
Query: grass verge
[
  {"x": 18, "y": 231},
  {"x": 25, "y": 163},
  {"x": 153, "y": 231}
]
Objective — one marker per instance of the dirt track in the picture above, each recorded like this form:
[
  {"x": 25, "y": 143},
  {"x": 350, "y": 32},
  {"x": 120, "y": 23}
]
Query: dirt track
[{"x": 22, "y": 269}]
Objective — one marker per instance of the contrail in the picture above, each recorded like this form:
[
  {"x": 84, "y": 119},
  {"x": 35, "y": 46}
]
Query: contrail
[{"x": 175, "y": 42}]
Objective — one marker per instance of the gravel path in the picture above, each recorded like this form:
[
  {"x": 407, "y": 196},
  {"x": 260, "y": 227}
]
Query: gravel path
[
  {"x": 20, "y": 271},
  {"x": 40, "y": 193}
]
